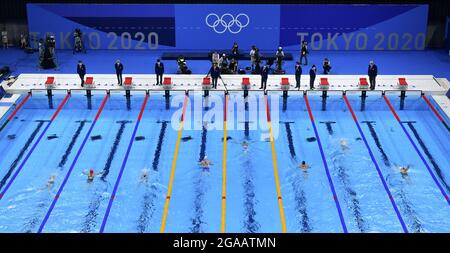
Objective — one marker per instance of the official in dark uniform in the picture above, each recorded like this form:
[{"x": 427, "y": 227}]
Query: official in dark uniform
[
  {"x": 119, "y": 68},
  {"x": 81, "y": 70},
  {"x": 372, "y": 73},
  {"x": 159, "y": 71},
  {"x": 264, "y": 76},
  {"x": 298, "y": 74},
  {"x": 326, "y": 66},
  {"x": 304, "y": 52},
  {"x": 214, "y": 71},
  {"x": 312, "y": 76}
]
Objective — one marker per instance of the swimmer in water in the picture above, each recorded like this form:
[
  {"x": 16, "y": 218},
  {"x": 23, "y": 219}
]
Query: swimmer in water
[
  {"x": 144, "y": 176},
  {"x": 404, "y": 170},
  {"x": 205, "y": 163},
  {"x": 245, "y": 145},
  {"x": 51, "y": 181},
  {"x": 304, "y": 166},
  {"x": 91, "y": 175},
  {"x": 344, "y": 144}
]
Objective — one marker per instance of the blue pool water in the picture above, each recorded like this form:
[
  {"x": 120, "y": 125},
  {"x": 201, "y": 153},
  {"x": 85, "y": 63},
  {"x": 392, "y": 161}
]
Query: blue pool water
[{"x": 341, "y": 191}]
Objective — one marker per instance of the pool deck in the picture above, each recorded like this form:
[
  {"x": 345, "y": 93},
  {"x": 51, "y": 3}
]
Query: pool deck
[
  {"x": 442, "y": 100},
  {"x": 437, "y": 87},
  {"x": 7, "y": 102}
]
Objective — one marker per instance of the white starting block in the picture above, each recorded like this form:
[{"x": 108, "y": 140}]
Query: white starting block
[
  {"x": 402, "y": 84},
  {"x": 206, "y": 83},
  {"x": 246, "y": 83},
  {"x": 89, "y": 83},
  {"x": 128, "y": 83},
  {"x": 285, "y": 85},
  {"x": 324, "y": 84},
  {"x": 50, "y": 82},
  {"x": 363, "y": 84},
  {"x": 167, "y": 83}
]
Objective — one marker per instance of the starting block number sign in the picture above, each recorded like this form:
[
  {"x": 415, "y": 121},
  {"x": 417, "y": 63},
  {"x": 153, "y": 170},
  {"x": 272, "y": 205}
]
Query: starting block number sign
[{"x": 217, "y": 26}]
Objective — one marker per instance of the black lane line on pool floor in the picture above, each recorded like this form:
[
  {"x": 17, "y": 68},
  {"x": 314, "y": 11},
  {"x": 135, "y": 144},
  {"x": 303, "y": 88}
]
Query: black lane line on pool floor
[
  {"x": 25, "y": 147},
  {"x": 200, "y": 188},
  {"x": 148, "y": 207},
  {"x": 406, "y": 206},
  {"x": 350, "y": 194},
  {"x": 250, "y": 223},
  {"x": 74, "y": 139},
  {"x": 437, "y": 169},
  {"x": 300, "y": 197},
  {"x": 32, "y": 222},
  {"x": 90, "y": 221}
]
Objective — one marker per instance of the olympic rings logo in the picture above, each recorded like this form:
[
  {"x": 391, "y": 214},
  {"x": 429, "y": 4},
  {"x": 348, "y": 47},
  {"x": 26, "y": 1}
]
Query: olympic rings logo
[{"x": 227, "y": 22}]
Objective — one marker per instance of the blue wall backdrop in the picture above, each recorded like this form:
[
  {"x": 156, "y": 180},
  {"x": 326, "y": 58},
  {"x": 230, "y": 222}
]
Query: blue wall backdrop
[{"x": 217, "y": 26}]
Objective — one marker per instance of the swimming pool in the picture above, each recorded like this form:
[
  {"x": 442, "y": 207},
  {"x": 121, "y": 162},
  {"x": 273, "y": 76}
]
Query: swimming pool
[{"x": 354, "y": 149}]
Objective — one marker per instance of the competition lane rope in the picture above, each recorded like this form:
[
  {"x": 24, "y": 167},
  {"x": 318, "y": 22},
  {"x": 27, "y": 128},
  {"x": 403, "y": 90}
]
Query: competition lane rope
[
  {"x": 275, "y": 168},
  {"x": 224, "y": 167},
  {"x": 174, "y": 165}
]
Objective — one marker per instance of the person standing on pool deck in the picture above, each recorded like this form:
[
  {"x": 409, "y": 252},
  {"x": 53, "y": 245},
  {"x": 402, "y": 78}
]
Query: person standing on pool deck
[
  {"x": 214, "y": 71},
  {"x": 159, "y": 70},
  {"x": 304, "y": 52},
  {"x": 372, "y": 73},
  {"x": 119, "y": 69},
  {"x": 81, "y": 70},
  {"x": 235, "y": 51},
  {"x": 298, "y": 74},
  {"x": 312, "y": 76},
  {"x": 253, "y": 57},
  {"x": 264, "y": 76}
]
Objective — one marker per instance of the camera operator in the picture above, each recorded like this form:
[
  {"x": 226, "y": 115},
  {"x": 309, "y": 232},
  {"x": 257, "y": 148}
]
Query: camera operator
[
  {"x": 182, "y": 66},
  {"x": 233, "y": 66},
  {"x": 47, "y": 52},
  {"x": 41, "y": 49},
  {"x": 235, "y": 51},
  {"x": 5, "y": 39},
  {"x": 215, "y": 58},
  {"x": 326, "y": 66},
  {"x": 223, "y": 61},
  {"x": 23, "y": 41},
  {"x": 279, "y": 56},
  {"x": 253, "y": 57},
  {"x": 78, "y": 42},
  {"x": 257, "y": 61},
  {"x": 50, "y": 44}
]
